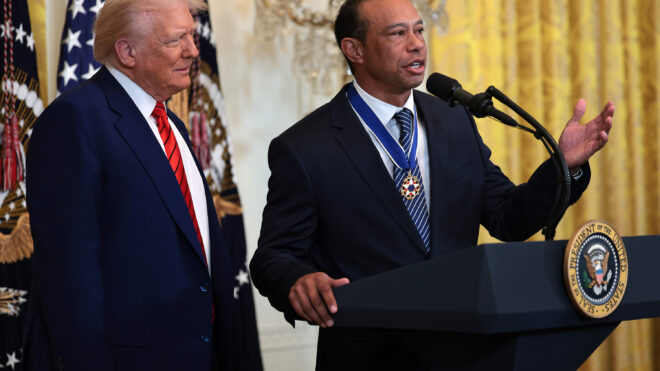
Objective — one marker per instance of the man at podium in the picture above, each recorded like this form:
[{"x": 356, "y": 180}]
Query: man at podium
[{"x": 384, "y": 176}]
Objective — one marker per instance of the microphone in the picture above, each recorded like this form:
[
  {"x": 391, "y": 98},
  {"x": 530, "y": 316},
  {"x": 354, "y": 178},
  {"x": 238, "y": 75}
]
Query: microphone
[{"x": 480, "y": 105}]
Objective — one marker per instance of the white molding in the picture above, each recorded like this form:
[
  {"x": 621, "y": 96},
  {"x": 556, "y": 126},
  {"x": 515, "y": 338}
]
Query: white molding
[{"x": 277, "y": 338}]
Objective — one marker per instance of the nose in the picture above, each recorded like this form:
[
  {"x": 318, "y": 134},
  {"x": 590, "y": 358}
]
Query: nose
[
  {"x": 416, "y": 41},
  {"x": 190, "y": 48}
]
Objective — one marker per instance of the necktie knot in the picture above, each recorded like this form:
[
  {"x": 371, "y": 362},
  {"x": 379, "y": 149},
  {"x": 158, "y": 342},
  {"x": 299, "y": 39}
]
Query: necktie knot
[
  {"x": 159, "y": 111},
  {"x": 404, "y": 119}
]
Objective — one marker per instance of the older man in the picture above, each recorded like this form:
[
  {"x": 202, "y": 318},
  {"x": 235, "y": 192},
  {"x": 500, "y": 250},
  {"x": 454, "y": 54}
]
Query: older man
[
  {"x": 130, "y": 268},
  {"x": 385, "y": 176}
]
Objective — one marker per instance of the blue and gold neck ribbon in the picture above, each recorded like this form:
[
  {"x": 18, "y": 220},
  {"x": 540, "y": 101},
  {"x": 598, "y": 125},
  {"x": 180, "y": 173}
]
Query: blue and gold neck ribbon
[{"x": 403, "y": 161}]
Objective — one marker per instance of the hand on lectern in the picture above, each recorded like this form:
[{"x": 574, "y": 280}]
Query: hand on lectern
[
  {"x": 312, "y": 298},
  {"x": 579, "y": 142}
]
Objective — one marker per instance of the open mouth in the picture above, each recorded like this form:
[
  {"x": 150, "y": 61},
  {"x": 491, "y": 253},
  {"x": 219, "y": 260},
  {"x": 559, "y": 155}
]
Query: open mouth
[{"x": 416, "y": 67}]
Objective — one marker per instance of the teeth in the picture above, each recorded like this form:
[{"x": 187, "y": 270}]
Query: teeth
[{"x": 415, "y": 65}]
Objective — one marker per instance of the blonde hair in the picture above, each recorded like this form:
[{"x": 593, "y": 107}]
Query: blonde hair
[{"x": 119, "y": 19}]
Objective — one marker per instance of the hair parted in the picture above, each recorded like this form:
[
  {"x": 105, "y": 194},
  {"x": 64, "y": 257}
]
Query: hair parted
[
  {"x": 350, "y": 23},
  {"x": 120, "y": 18}
]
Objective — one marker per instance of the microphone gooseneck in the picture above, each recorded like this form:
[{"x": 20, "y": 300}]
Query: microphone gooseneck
[{"x": 481, "y": 105}]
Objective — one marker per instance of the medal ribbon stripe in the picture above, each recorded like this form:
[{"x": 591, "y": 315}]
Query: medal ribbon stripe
[
  {"x": 403, "y": 153},
  {"x": 400, "y": 157}
]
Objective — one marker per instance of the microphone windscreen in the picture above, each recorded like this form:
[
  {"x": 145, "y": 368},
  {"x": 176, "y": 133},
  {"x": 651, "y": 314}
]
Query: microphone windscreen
[{"x": 442, "y": 86}]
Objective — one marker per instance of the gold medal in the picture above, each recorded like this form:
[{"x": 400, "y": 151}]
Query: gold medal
[{"x": 411, "y": 187}]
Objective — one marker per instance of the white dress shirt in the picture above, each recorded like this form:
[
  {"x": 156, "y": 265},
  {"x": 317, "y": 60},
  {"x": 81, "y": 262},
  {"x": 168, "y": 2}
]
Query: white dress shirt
[
  {"x": 385, "y": 113},
  {"x": 146, "y": 104}
]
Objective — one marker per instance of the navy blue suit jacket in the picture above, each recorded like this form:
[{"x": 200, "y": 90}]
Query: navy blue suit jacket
[
  {"x": 333, "y": 207},
  {"x": 119, "y": 280}
]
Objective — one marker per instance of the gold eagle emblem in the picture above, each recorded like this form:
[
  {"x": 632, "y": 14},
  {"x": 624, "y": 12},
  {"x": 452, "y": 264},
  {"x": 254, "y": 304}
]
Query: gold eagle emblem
[
  {"x": 17, "y": 245},
  {"x": 597, "y": 269},
  {"x": 224, "y": 207}
]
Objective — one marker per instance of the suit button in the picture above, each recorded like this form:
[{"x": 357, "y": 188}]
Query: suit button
[
  {"x": 204, "y": 287},
  {"x": 205, "y": 339}
]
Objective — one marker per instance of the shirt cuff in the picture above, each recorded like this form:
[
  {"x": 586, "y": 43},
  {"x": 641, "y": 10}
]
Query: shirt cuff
[{"x": 578, "y": 175}]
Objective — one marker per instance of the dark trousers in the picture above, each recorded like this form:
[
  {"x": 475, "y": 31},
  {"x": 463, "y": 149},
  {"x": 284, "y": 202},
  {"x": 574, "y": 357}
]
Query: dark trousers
[{"x": 348, "y": 349}]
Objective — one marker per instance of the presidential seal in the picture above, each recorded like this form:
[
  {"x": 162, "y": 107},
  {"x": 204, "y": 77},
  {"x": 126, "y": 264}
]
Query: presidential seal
[{"x": 596, "y": 269}]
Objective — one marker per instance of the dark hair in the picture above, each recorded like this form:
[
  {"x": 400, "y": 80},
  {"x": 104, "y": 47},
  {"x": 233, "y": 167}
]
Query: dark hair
[{"x": 350, "y": 23}]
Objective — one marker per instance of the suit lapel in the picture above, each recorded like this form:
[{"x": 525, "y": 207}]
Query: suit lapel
[
  {"x": 142, "y": 142},
  {"x": 436, "y": 137},
  {"x": 365, "y": 157}
]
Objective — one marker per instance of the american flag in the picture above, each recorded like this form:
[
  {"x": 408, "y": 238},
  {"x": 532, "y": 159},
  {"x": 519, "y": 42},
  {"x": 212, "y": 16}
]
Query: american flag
[
  {"x": 77, "y": 62},
  {"x": 211, "y": 144},
  {"x": 20, "y": 107}
]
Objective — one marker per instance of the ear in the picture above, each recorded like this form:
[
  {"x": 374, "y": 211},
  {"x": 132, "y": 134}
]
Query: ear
[
  {"x": 126, "y": 53},
  {"x": 353, "y": 49}
]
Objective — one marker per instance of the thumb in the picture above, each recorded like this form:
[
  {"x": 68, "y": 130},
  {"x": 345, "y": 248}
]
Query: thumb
[
  {"x": 578, "y": 112},
  {"x": 340, "y": 282}
]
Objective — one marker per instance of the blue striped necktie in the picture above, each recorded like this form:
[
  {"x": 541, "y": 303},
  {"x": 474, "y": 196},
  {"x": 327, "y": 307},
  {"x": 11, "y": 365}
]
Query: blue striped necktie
[{"x": 417, "y": 206}]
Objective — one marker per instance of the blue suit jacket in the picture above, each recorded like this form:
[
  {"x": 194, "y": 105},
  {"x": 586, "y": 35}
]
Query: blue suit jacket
[
  {"x": 333, "y": 207},
  {"x": 119, "y": 280}
]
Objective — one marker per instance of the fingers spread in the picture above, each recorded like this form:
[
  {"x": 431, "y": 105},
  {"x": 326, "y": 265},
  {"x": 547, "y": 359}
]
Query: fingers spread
[
  {"x": 578, "y": 111},
  {"x": 608, "y": 110}
]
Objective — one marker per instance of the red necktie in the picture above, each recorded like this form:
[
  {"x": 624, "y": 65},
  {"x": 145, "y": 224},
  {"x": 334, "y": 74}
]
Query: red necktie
[{"x": 176, "y": 162}]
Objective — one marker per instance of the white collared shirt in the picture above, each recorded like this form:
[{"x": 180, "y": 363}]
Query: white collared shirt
[
  {"x": 146, "y": 104},
  {"x": 385, "y": 113}
]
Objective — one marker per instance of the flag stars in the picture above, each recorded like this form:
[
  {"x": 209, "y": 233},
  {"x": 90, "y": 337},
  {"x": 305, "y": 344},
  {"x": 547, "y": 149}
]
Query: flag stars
[
  {"x": 30, "y": 41},
  {"x": 20, "y": 34},
  {"x": 206, "y": 30},
  {"x": 242, "y": 278},
  {"x": 90, "y": 42},
  {"x": 69, "y": 73},
  {"x": 90, "y": 72},
  {"x": 77, "y": 8},
  {"x": 71, "y": 40},
  {"x": 96, "y": 8},
  {"x": 12, "y": 360},
  {"x": 212, "y": 39}
]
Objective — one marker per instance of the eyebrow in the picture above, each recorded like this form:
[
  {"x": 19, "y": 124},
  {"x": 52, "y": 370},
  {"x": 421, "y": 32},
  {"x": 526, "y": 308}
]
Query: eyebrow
[{"x": 403, "y": 24}]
